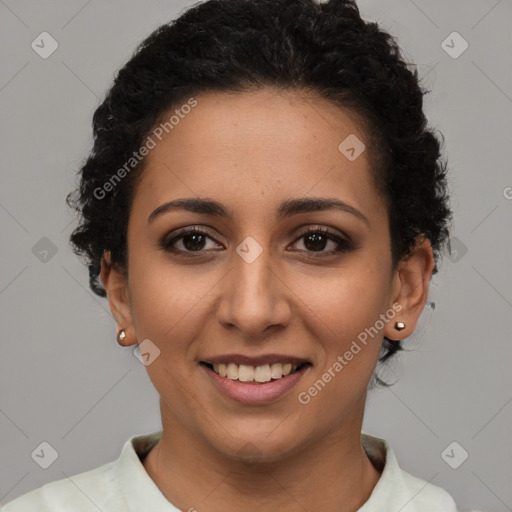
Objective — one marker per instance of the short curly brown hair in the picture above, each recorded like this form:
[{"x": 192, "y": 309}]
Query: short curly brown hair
[{"x": 241, "y": 45}]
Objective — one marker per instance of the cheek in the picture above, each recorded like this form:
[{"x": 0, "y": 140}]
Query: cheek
[
  {"x": 342, "y": 313},
  {"x": 167, "y": 300},
  {"x": 343, "y": 320},
  {"x": 347, "y": 299}
]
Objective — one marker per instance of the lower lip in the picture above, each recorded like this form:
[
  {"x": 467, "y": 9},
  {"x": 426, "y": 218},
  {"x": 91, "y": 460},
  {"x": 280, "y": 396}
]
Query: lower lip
[{"x": 255, "y": 392}]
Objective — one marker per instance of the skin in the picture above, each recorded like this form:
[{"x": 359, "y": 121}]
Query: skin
[{"x": 250, "y": 152}]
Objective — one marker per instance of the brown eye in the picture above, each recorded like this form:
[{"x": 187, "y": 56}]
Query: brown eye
[
  {"x": 316, "y": 240},
  {"x": 191, "y": 239}
]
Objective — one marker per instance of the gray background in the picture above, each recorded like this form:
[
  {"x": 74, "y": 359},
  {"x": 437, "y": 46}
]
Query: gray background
[{"x": 64, "y": 379}]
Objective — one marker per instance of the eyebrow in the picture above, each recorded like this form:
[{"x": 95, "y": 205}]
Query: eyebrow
[{"x": 286, "y": 208}]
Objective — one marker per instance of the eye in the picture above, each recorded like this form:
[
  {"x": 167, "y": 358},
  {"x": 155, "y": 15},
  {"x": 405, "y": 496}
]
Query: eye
[
  {"x": 194, "y": 240},
  {"x": 191, "y": 239},
  {"x": 315, "y": 241}
]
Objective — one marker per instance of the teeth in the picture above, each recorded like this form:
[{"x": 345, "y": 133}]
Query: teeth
[
  {"x": 245, "y": 373},
  {"x": 276, "y": 370},
  {"x": 248, "y": 373},
  {"x": 262, "y": 374},
  {"x": 232, "y": 371}
]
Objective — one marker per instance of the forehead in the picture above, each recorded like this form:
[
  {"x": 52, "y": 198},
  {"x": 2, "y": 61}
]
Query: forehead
[{"x": 253, "y": 147}]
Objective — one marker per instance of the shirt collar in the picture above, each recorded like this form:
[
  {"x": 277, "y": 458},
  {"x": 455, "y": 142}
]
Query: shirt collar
[
  {"x": 141, "y": 493},
  {"x": 390, "y": 488},
  {"x": 138, "y": 489},
  {"x": 392, "y": 491}
]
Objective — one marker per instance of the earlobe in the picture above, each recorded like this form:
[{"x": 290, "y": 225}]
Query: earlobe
[
  {"x": 410, "y": 289},
  {"x": 115, "y": 283}
]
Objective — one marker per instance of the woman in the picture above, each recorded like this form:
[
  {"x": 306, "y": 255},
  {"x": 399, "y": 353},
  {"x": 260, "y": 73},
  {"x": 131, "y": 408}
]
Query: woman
[{"x": 263, "y": 207}]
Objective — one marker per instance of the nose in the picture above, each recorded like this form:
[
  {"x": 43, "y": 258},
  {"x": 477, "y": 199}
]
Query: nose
[{"x": 254, "y": 298}]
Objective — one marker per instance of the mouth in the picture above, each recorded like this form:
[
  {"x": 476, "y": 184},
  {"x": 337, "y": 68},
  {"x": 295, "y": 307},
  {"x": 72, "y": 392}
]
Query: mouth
[
  {"x": 255, "y": 374},
  {"x": 255, "y": 380}
]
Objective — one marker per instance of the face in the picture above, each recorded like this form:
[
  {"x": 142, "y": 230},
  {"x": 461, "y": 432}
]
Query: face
[{"x": 266, "y": 280}]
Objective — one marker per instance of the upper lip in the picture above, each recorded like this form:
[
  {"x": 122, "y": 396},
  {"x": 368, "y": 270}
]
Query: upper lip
[{"x": 255, "y": 360}]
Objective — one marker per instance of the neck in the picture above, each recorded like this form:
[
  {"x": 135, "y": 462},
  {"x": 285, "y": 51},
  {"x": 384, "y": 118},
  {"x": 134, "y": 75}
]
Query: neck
[{"x": 332, "y": 474}]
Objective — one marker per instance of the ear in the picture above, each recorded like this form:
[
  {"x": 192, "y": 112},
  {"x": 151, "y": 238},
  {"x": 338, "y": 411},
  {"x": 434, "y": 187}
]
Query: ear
[
  {"x": 410, "y": 288},
  {"x": 115, "y": 283}
]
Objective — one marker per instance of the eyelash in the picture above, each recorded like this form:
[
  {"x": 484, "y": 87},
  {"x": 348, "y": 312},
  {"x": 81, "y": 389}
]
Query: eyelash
[{"x": 344, "y": 245}]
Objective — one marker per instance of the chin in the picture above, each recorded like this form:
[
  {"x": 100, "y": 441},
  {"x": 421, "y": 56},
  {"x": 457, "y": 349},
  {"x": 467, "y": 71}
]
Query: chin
[{"x": 259, "y": 448}]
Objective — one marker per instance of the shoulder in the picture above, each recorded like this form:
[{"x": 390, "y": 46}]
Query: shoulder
[
  {"x": 89, "y": 491},
  {"x": 397, "y": 488},
  {"x": 427, "y": 497}
]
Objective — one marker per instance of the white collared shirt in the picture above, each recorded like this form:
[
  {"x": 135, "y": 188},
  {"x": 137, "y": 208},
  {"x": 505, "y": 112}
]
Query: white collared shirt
[{"x": 125, "y": 486}]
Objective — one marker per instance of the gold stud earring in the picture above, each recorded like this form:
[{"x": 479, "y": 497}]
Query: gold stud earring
[
  {"x": 399, "y": 326},
  {"x": 121, "y": 335}
]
